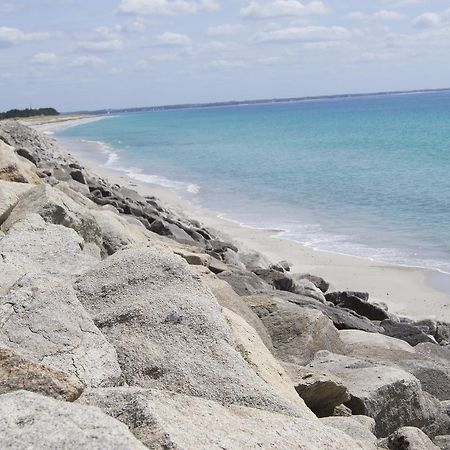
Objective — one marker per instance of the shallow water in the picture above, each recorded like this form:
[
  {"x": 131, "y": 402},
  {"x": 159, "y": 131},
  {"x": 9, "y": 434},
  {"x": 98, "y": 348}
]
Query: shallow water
[{"x": 362, "y": 176}]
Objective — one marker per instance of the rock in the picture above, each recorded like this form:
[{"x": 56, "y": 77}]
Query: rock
[
  {"x": 32, "y": 245},
  {"x": 170, "y": 230},
  {"x": 307, "y": 289},
  {"x": 440, "y": 331},
  {"x": 442, "y": 442},
  {"x": 279, "y": 280},
  {"x": 229, "y": 257},
  {"x": 227, "y": 298},
  {"x": 194, "y": 259},
  {"x": 404, "y": 331},
  {"x": 133, "y": 297},
  {"x": 340, "y": 296},
  {"x": 163, "y": 420},
  {"x": 244, "y": 282},
  {"x": 342, "y": 411},
  {"x": 42, "y": 319},
  {"x": 254, "y": 261},
  {"x": 297, "y": 333},
  {"x": 9, "y": 195},
  {"x": 259, "y": 358},
  {"x": 29, "y": 420},
  {"x": 319, "y": 282},
  {"x": 376, "y": 347},
  {"x": 389, "y": 395},
  {"x": 342, "y": 319},
  {"x": 322, "y": 392},
  {"x": 357, "y": 304},
  {"x": 360, "y": 428},
  {"x": 57, "y": 208},
  {"x": 409, "y": 438},
  {"x": 25, "y": 153},
  {"x": 20, "y": 373},
  {"x": 15, "y": 168},
  {"x": 77, "y": 175}
]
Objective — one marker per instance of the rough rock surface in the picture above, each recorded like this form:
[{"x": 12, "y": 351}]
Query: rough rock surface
[
  {"x": 360, "y": 428},
  {"x": 9, "y": 195},
  {"x": 20, "y": 373},
  {"x": 391, "y": 396},
  {"x": 406, "y": 332},
  {"x": 408, "y": 438},
  {"x": 32, "y": 421},
  {"x": 32, "y": 245},
  {"x": 163, "y": 420},
  {"x": 297, "y": 333},
  {"x": 168, "y": 330},
  {"x": 15, "y": 168},
  {"x": 42, "y": 318},
  {"x": 322, "y": 392},
  {"x": 244, "y": 282}
]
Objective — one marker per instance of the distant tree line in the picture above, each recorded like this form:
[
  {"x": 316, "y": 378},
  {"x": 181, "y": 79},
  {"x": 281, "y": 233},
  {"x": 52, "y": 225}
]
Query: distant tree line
[{"x": 28, "y": 112}]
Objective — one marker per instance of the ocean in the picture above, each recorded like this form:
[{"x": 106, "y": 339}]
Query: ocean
[{"x": 365, "y": 176}]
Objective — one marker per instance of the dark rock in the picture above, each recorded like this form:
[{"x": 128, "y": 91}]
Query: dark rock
[
  {"x": 220, "y": 246},
  {"x": 75, "y": 166},
  {"x": 77, "y": 175},
  {"x": 24, "y": 153},
  {"x": 244, "y": 282},
  {"x": 317, "y": 281},
  {"x": 279, "y": 280},
  {"x": 404, "y": 331},
  {"x": 337, "y": 297},
  {"x": 364, "y": 308},
  {"x": 170, "y": 230}
]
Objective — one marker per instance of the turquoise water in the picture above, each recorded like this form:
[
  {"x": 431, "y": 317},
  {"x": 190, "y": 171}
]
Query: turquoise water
[{"x": 362, "y": 176}]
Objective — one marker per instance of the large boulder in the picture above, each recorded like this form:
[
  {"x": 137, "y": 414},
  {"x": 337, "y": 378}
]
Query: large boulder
[
  {"x": 15, "y": 168},
  {"x": 227, "y": 297},
  {"x": 321, "y": 391},
  {"x": 360, "y": 428},
  {"x": 163, "y": 420},
  {"x": 20, "y": 373},
  {"x": 244, "y": 282},
  {"x": 256, "y": 354},
  {"x": 297, "y": 333},
  {"x": 55, "y": 207},
  {"x": 406, "y": 332},
  {"x": 29, "y": 420},
  {"x": 391, "y": 396},
  {"x": 32, "y": 245},
  {"x": 9, "y": 195},
  {"x": 359, "y": 305},
  {"x": 409, "y": 438},
  {"x": 168, "y": 329},
  {"x": 42, "y": 318}
]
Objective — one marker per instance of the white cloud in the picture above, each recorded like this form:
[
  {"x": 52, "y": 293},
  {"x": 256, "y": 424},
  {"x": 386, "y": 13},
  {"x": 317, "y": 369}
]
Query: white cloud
[
  {"x": 280, "y": 8},
  {"x": 44, "y": 58},
  {"x": 174, "y": 39},
  {"x": 167, "y": 7},
  {"x": 427, "y": 20},
  {"x": 383, "y": 15},
  {"x": 303, "y": 34},
  {"x": 11, "y": 36},
  {"x": 101, "y": 39},
  {"x": 225, "y": 30},
  {"x": 225, "y": 64},
  {"x": 87, "y": 61}
]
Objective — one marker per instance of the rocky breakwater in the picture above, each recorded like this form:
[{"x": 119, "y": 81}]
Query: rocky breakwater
[{"x": 124, "y": 324}]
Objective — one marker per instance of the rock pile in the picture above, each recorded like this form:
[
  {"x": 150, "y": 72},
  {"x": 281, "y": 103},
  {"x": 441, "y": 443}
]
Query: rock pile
[{"x": 124, "y": 324}]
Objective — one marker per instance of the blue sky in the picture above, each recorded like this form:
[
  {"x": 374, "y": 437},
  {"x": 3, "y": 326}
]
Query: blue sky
[{"x": 85, "y": 54}]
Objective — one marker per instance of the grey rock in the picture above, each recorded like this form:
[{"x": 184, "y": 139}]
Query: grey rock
[
  {"x": 442, "y": 442},
  {"x": 32, "y": 245},
  {"x": 9, "y": 195},
  {"x": 308, "y": 289},
  {"x": 406, "y": 332},
  {"x": 297, "y": 333},
  {"x": 244, "y": 282},
  {"x": 42, "y": 319},
  {"x": 20, "y": 373},
  {"x": 338, "y": 296},
  {"x": 279, "y": 280},
  {"x": 170, "y": 230},
  {"x": 29, "y": 420},
  {"x": 131, "y": 294},
  {"x": 409, "y": 438},
  {"x": 391, "y": 396},
  {"x": 319, "y": 282},
  {"x": 163, "y": 420},
  {"x": 322, "y": 392},
  {"x": 360, "y": 428}
]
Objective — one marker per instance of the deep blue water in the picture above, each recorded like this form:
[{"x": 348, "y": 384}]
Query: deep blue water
[{"x": 365, "y": 176}]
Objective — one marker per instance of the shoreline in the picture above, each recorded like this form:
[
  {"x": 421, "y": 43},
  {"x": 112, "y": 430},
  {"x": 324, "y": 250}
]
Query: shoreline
[{"x": 413, "y": 292}]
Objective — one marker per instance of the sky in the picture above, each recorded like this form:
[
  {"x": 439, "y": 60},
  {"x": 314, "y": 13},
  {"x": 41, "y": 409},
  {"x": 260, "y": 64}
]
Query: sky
[{"x": 92, "y": 54}]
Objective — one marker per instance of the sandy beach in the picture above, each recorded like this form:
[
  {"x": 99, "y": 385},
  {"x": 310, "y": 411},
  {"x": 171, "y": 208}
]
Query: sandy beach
[{"x": 412, "y": 292}]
